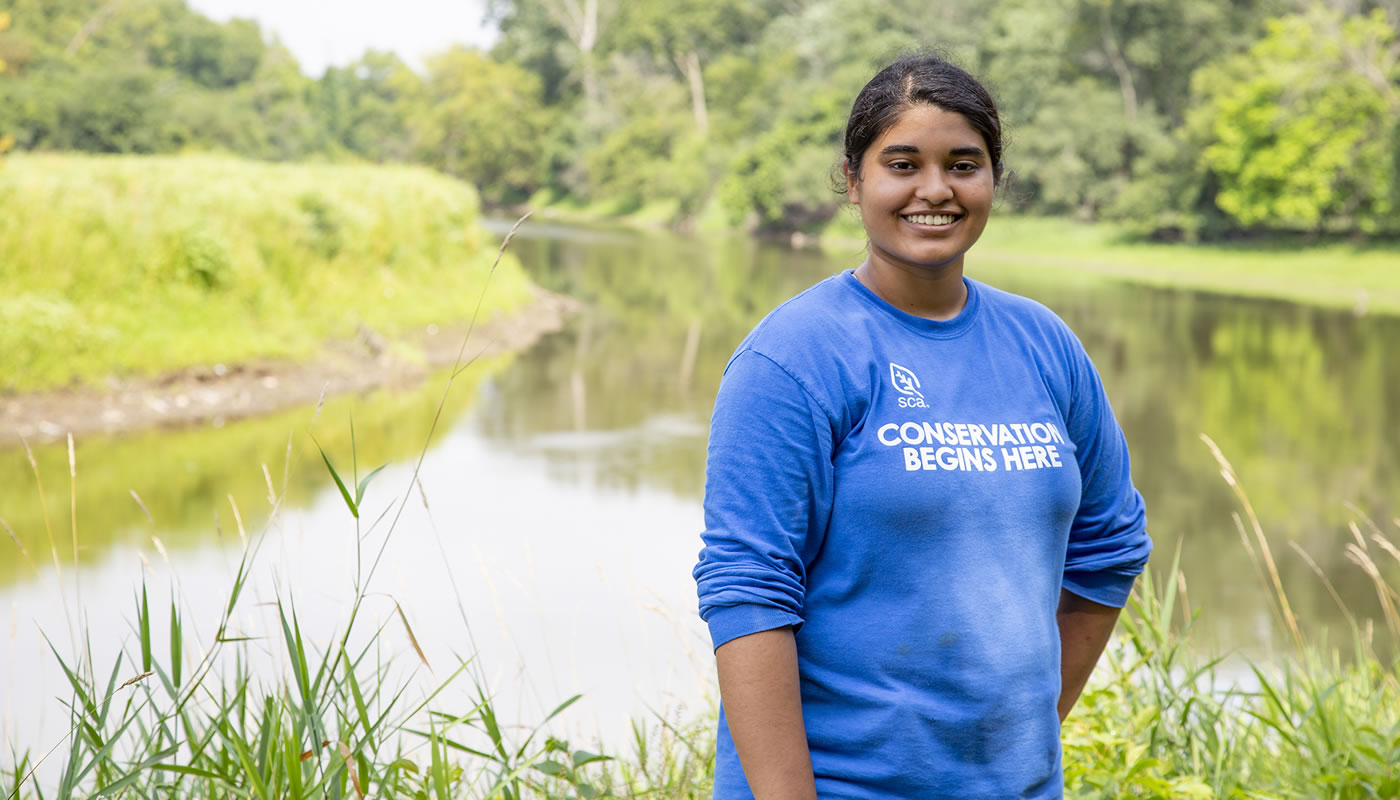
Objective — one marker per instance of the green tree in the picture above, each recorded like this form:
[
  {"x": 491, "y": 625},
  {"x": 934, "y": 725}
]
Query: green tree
[
  {"x": 364, "y": 106},
  {"x": 562, "y": 36},
  {"x": 1093, "y": 89},
  {"x": 279, "y": 96},
  {"x": 1301, "y": 131},
  {"x": 687, "y": 33},
  {"x": 215, "y": 55},
  {"x": 484, "y": 122}
]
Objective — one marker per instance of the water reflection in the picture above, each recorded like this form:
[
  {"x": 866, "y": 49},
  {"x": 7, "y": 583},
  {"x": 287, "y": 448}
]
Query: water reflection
[{"x": 563, "y": 490}]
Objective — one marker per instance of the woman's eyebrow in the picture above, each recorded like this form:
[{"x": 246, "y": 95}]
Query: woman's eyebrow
[{"x": 956, "y": 151}]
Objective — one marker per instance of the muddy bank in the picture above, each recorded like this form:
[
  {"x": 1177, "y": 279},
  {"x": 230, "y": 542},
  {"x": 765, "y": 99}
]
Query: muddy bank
[{"x": 216, "y": 393}]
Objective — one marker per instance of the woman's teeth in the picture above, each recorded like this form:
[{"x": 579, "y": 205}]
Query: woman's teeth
[{"x": 930, "y": 219}]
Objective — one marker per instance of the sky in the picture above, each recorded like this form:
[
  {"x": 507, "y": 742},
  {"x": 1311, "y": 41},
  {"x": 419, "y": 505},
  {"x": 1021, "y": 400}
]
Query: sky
[{"x": 322, "y": 34}]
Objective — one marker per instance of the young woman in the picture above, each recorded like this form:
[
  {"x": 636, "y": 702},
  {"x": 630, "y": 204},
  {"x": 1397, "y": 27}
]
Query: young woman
[{"x": 920, "y": 522}]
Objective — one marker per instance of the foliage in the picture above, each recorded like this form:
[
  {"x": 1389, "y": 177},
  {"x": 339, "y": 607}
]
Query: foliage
[
  {"x": 362, "y": 106},
  {"x": 1181, "y": 119},
  {"x": 107, "y": 258},
  {"x": 1301, "y": 131},
  {"x": 483, "y": 121}
]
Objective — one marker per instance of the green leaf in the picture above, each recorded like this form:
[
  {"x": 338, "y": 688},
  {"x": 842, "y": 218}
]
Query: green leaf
[
  {"x": 582, "y": 757},
  {"x": 550, "y": 767},
  {"x": 344, "y": 493},
  {"x": 136, "y": 773},
  {"x": 360, "y": 490}
]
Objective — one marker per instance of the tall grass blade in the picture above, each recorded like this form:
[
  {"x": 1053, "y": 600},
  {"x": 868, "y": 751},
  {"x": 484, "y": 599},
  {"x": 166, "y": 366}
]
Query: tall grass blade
[
  {"x": 413, "y": 640},
  {"x": 143, "y": 621},
  {"x": 344, "y": 493},
  {"x": 177, "y": 661}
]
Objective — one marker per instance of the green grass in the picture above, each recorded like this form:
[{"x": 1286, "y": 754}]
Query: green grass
[
  {"x": 1162, "y": 722},
  {"x": 143, "y": 265}
]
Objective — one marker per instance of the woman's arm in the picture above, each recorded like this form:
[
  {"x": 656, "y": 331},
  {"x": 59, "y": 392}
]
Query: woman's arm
[
  {"x": 763, "y": 707},
  {"x": 1085, "y": 627}
]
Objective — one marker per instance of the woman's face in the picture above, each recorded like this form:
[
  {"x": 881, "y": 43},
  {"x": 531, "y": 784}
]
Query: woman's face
[{"x": 925, "y": 191}]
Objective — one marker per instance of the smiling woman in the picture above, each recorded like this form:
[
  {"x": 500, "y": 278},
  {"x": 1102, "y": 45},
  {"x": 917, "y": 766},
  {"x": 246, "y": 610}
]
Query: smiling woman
[{"x": 946, "y": 527}]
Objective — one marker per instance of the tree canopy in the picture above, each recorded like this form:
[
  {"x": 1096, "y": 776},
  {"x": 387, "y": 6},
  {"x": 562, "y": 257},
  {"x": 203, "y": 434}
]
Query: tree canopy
[{"x": 1182, "y": 118}]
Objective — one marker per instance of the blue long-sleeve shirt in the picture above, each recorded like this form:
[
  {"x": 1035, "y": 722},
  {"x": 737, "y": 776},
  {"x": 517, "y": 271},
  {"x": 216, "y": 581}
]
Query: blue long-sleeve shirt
[{"x": 911, "y": 495}]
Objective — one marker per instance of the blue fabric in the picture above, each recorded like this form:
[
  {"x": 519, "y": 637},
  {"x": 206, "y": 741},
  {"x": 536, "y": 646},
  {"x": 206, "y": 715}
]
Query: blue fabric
[{"x": 911, "y": 495}]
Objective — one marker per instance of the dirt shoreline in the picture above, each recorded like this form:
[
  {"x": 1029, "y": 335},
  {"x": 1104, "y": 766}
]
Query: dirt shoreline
[{"x": 215, "y": 394}]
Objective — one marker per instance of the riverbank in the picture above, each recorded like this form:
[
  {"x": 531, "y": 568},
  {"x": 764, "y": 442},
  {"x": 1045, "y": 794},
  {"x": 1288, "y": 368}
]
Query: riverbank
[
  {"x": 1361, "y": 277},
  {"x": 213, "y": 394},
  {"x": 138, "y": 268}
]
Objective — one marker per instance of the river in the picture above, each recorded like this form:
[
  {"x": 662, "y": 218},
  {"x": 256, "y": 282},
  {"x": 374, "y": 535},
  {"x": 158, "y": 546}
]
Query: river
[{"x": 557, "y": 513}]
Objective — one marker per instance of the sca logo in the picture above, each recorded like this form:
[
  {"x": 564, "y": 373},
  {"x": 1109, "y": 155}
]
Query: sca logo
[{"x": 906, "y": 383}]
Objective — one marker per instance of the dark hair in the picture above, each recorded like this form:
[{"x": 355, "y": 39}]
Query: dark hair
[{"x": 920, "y": 79}]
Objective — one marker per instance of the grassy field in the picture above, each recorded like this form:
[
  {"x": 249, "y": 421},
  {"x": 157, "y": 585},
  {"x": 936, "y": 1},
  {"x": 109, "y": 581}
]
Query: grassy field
[
  {"x": 142, "y": 265},
  {"x": 1357, "y": 277}
]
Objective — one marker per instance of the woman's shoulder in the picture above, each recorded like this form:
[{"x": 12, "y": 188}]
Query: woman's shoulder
[
  {"x": 804, "y": 322},
  {"x": 1035, "y": 319},
  {"x": 815, "y": 338}
]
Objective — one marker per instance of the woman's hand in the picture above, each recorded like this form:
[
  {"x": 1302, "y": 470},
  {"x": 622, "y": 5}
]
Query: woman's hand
[
  {"x": 758, "y": 686},
  {"x": 1085, "y": 627}
]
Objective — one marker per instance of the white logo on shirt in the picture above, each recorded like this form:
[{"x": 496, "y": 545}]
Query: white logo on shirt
[{"x": 905, "y": 381}]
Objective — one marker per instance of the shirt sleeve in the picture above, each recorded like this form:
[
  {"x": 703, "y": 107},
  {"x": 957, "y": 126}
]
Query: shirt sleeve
[
  {"x": 768, "y": 489},
  {"x": 1108, "y": 540}
]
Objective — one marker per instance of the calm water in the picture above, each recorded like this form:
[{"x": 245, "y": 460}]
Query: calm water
[{"x": 560, "y": 505}]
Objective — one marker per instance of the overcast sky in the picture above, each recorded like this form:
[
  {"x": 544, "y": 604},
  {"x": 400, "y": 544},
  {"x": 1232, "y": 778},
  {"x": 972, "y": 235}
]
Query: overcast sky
[{"x": 322, "y": 33}]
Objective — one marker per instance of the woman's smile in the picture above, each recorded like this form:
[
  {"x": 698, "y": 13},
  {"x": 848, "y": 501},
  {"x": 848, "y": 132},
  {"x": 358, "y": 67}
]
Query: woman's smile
[{"x": 933, "y": 222}]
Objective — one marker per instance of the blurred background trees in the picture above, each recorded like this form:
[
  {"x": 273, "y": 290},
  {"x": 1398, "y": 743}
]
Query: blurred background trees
[{"x": 1181, "y": 118}]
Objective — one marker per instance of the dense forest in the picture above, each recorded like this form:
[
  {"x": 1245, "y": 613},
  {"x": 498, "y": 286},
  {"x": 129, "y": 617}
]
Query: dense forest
[{"x": 1179, "y": 118}]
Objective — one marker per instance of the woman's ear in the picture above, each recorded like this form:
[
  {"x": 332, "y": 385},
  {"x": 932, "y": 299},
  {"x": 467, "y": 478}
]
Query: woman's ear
[{"x": 852, "y": 182}]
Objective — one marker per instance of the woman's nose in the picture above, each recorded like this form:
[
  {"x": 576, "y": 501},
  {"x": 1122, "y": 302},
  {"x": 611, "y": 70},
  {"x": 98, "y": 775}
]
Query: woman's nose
[{"x": 934, "y": 186}]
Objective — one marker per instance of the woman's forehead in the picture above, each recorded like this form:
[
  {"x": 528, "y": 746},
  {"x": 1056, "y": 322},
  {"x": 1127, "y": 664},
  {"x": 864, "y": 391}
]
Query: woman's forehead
[{"x": 925, "y": 126}]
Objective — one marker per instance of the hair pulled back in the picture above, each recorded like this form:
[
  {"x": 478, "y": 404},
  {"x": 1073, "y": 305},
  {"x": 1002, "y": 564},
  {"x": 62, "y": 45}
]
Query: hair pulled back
[{"x": 920, "y": 79}]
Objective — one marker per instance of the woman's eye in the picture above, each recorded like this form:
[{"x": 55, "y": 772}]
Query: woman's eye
[
  {"x": 964, "y": 166},
  {"x": 901, "y": 166}
]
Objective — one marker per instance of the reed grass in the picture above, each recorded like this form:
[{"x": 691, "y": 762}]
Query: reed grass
[
  {"x": 1162, "y": 721},
  {"x": 123, "y": 265}
]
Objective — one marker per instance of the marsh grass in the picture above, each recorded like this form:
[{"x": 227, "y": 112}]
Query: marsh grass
[
  {"x": 144, "y": 265},
  {"x": 1162, "y": 721}
]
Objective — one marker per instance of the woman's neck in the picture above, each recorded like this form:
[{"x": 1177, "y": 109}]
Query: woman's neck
[{"x": 937, "y": 294}]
